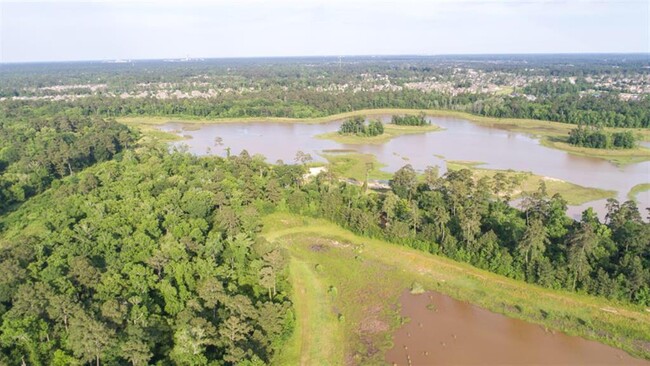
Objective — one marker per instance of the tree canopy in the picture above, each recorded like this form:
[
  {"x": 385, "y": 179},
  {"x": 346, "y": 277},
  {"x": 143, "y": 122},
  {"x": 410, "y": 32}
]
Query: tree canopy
[{"x": 158, "y": 261}]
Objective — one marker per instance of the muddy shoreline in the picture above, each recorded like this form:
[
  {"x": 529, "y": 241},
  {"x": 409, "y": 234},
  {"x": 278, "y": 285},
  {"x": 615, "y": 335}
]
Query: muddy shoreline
[{"x": 444, "y": 331}]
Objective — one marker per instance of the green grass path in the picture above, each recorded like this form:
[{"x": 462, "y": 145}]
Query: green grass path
[{"x": 317, "y": 333}]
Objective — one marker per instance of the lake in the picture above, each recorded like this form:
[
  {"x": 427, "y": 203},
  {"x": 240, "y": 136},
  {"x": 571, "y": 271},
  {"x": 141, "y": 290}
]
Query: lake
[{"x": 460, "y": 140}]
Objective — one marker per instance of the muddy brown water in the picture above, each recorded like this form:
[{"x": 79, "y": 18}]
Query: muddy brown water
[
  {"x": 461, "y": 140},
  {"x": 445, "y": 331}
]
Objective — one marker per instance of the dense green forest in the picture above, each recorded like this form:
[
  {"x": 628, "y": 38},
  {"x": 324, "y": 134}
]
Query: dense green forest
[
  {"x": 148, "y": 259},
  {"x": 34, "y": 151},
  {"x": 357, "y": 126},
  {"x": 598, "y": 139}
]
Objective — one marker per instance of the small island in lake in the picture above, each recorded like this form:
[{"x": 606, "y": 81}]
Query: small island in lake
[{"x": 359, "y": 130}]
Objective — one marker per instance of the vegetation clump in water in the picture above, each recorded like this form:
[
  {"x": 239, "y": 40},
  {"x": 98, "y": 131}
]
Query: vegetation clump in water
[
  {"x": 597, "y": 138},
  {"x": 357, "y": 126},
  {"x": 410, "y": 120}
]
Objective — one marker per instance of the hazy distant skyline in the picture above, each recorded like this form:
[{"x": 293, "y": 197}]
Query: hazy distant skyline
[{"x": 102, "y": 30}]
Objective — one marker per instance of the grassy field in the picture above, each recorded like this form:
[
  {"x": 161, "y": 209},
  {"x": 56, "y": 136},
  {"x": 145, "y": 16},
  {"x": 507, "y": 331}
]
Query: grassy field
[
  {"x": 552, "y": 134},
  {"x": 631, "y": 195},
  {"x": 346, "y": 291},
  {"x": 390, "y": 131},
  {"x": 354, "y": 165},
  {"x": 529, "y": 182}
]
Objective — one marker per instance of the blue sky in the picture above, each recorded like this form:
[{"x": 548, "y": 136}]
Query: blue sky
[{"x": 99, "y": 30}]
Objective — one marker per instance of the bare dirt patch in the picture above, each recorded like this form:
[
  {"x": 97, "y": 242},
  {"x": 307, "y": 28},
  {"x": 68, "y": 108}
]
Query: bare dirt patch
[{"x": 318, "y": 247}]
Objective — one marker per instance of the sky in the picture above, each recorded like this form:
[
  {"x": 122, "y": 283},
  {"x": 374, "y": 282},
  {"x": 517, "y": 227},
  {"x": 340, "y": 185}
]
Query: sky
[{"x": 35, "y": 31}]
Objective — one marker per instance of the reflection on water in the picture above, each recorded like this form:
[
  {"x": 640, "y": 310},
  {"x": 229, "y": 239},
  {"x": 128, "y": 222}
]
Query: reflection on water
[
  {"x": 444, "y": 331},
  {"x": 461, "y": 140}
]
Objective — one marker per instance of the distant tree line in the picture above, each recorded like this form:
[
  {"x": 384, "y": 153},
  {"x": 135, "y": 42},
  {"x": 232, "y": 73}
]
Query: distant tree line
[
  {"x": 556, "y": 88},
  {"x": 598, "y": 138},
  {"x": 20, "y": 79},
  {"x": 357, "y": 126},
  {"x": 605, "y": 110},
  {"x": 303, "y": 87}
]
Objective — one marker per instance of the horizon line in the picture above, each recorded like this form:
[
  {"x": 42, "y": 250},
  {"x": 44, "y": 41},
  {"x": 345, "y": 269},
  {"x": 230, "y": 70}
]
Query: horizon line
[{"x": 198, "y": 58}]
